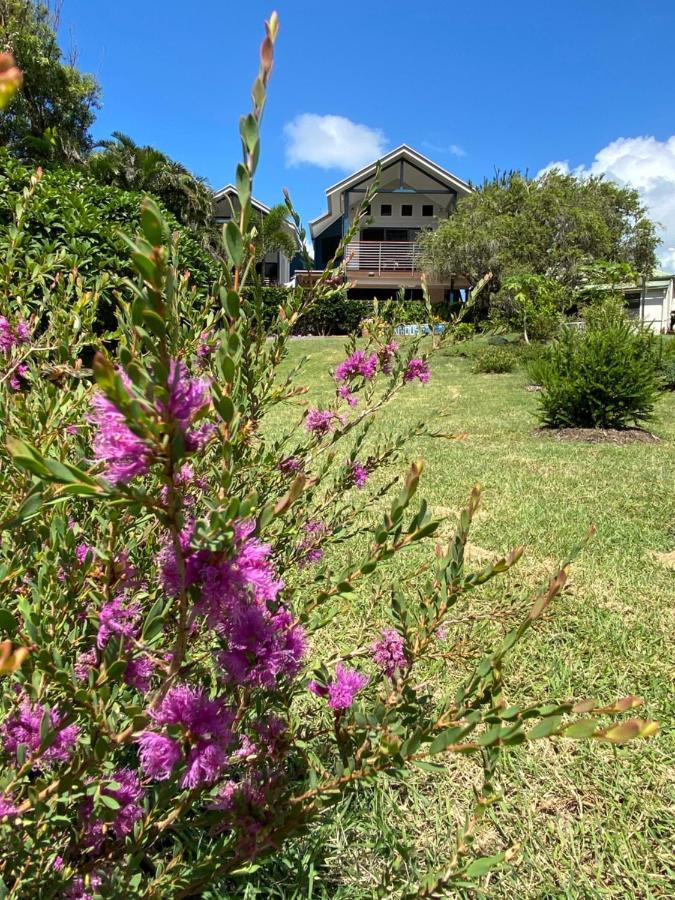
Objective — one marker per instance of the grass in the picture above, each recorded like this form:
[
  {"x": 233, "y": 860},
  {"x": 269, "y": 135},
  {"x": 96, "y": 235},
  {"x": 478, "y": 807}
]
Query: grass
[{"x": 591, "y": 820}]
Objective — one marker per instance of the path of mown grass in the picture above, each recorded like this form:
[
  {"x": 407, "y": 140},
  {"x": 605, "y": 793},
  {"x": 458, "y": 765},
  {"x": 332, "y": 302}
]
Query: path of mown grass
[{"x": 592, "y": 820}]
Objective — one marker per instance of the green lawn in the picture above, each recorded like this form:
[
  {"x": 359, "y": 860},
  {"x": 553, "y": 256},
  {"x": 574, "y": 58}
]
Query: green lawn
[{"x": 593, "y": 821}]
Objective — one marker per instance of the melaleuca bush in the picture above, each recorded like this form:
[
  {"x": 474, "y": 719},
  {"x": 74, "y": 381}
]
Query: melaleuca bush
[{"x": 168, "y": 715}]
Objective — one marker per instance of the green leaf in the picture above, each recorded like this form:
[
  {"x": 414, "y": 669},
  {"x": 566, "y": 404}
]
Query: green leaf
[
  {"x": 483, "y": 865},
  {"x": 234, "y": 243},
  {"x": 544, "y": 728},
  {"x": 8, "y": 622}
]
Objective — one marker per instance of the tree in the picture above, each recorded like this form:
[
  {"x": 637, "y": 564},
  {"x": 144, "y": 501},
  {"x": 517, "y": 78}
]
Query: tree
[
  {"x": 127, "y": 165},
  {"x": 49, "y": 119},
  {"x": 274, "y": 234},
  {"x": 553, "y": 226}
]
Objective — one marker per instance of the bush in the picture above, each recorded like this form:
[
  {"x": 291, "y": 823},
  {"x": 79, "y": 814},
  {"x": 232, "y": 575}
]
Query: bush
[
  {"x": 463, "y": 331},
  {"x": 666, "y": 363},
  {"x": 602, "y": 376},
  {"x": 494, "y": 359},
  {"x": 74, "y": 224},
  {"x": 173, "y": 719}
]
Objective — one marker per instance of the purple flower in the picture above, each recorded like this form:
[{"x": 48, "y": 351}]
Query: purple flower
[
  {"x": 23, "y": 727},
  {"x": 345, "y": 687},
  {"x": 344, "y": 393},
  {"x": 7, "y": 807},
  {"x": 206, "y": 346},
  {"x": 319, "y": 421},
  {"x": 204, "y": 763},
  {"x": 84, "y": 663},
  {"x": 115, "y": 618},
  {"x": 12, "y": 337},
  {"x": 309, "y": 545},
  {"x": 417, "y": 368},
  {"x": 187, "y": 396},
  {"x": 389, "y": 651},
  {"x": 158, "y": 753},
  {"x": 207, "y": 725},
  {"x": 387, "y": 356},
  {"x": 138, "y": 673},
  {"x": 262, "y": 647},
  {"x": 357, "y": 364},
  {"x": 128, "y": 796},
  {"x": 77, "y": 890},
  {"x": 81, "y": 552},
  {"x": 18, "y": 376},
  {"x": 290, "y": 466},
  {"x": 358, "y": 475},
  {"x": 124, "y": 452}
]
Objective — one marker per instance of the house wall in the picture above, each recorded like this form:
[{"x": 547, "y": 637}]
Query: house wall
[{"x": 655, "y": 307}]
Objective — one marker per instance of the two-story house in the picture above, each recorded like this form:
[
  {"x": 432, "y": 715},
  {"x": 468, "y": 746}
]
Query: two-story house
[
  {"x": 276, "y": 267},
  {"x": 412, "y": 193}
]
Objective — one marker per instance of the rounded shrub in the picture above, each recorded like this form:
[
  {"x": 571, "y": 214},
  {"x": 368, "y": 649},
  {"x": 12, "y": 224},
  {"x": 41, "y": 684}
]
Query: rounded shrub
[
  {"x": 605, "y": 375},
  {"x": 495, "y": 360}
]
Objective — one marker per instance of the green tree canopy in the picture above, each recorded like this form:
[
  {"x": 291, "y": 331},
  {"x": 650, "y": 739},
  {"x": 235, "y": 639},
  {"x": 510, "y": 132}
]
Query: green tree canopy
[
  {"x": 125, "y": 164},
  {"x": 554, "y": 226},
  {"x": 50, "y": 117}
]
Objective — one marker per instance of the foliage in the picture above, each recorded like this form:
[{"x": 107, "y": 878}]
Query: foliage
[
  {"x": 666, "y": 362},
  {"x": 531, "y": 304},
  {"x": 123, "y": 163},
  {"x": 464, "y": 331},
  {"x": 166, "y": 569},
  {"x": 495, "y": 359},
  {"x": 72, "y": 229},
  {"x": 602, "y": 376},
  {"x": 553, "y": 226},
  {"x": 273, "y": 233},
  {"x": 49, "y": 120}
]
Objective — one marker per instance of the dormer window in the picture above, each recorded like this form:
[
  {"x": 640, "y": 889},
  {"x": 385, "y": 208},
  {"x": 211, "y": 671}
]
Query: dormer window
[
  {"x": 385, "y": 209},
  {"x": 406, "y": 209}
]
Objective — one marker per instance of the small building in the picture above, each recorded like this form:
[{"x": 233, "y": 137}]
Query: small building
[
  {"x": 413, "y": 193},
  {"x": 276, "y": 267},
  {"x": 653, "y": 303}
]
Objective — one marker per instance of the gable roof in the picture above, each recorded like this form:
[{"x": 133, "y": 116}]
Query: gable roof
[
  {"x": 403, "y": 153},
  {"x": 230, "y": 190}
]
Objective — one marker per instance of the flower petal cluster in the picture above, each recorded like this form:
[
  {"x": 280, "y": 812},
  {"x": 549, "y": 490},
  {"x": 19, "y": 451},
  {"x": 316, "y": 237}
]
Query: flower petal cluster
[
  {"x": 13, "y": 335},
  {"x": 387, "y": 356},
  {"x": 358, "y": 364},
  {"x": 23, "y": 727},
  {"x": 341, "y": 690},
  {"x": 128, "y": 796},
  {"x": 238, "y": 596},
  {"x": 125, "y": 453},
  {"x": 320, "y": 421},
  {"x": 389, "y": 651},
  {"x": 206, "y": 726},
  {"x": 417, "y": 368},
  {"x": 358, "y": 474},
  {"x": 309, "y": 546}
]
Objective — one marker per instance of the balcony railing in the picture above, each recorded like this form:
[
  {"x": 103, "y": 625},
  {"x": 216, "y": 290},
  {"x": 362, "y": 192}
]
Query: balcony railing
[{"x": 382, "y": 256}]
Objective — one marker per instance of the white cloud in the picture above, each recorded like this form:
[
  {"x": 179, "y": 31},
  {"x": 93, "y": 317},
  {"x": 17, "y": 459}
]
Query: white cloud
[
  {"x": 649, "y": 166},
  {"x": 454, "y": 149},
  {"x": 331, "y": 142}
]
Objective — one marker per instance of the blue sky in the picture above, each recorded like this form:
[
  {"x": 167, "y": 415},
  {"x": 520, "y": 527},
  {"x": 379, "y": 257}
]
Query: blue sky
[{"x": 473, "y": 85}]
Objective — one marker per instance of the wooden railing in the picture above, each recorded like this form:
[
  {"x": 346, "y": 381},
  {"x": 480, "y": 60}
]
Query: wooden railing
[{"x": 382, "y": 256}]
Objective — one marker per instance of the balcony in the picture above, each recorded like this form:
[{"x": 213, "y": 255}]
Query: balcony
[{"x": 382, "y": 257}]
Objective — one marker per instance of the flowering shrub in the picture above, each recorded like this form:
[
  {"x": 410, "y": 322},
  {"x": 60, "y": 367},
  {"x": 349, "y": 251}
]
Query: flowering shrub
[{"x": 167, "y": 723}]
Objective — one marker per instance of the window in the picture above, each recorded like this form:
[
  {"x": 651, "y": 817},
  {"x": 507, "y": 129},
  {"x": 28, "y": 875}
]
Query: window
[
  {"x": 385, "y": 209},
  {"x": 428, "y": 209},
  {"x": 368, "y": 210},
  {"x": 406, "y": 209}
]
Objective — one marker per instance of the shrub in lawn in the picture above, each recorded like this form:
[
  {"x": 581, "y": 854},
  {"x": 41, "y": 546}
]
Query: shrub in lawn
[
  {"x": 170, "y": 718},
  {"x": 602, "y": 376},
  {"x": 495, "y": 360},
  {"x": 666, "y": 363},
  {"x": 464, "y": 331}
]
